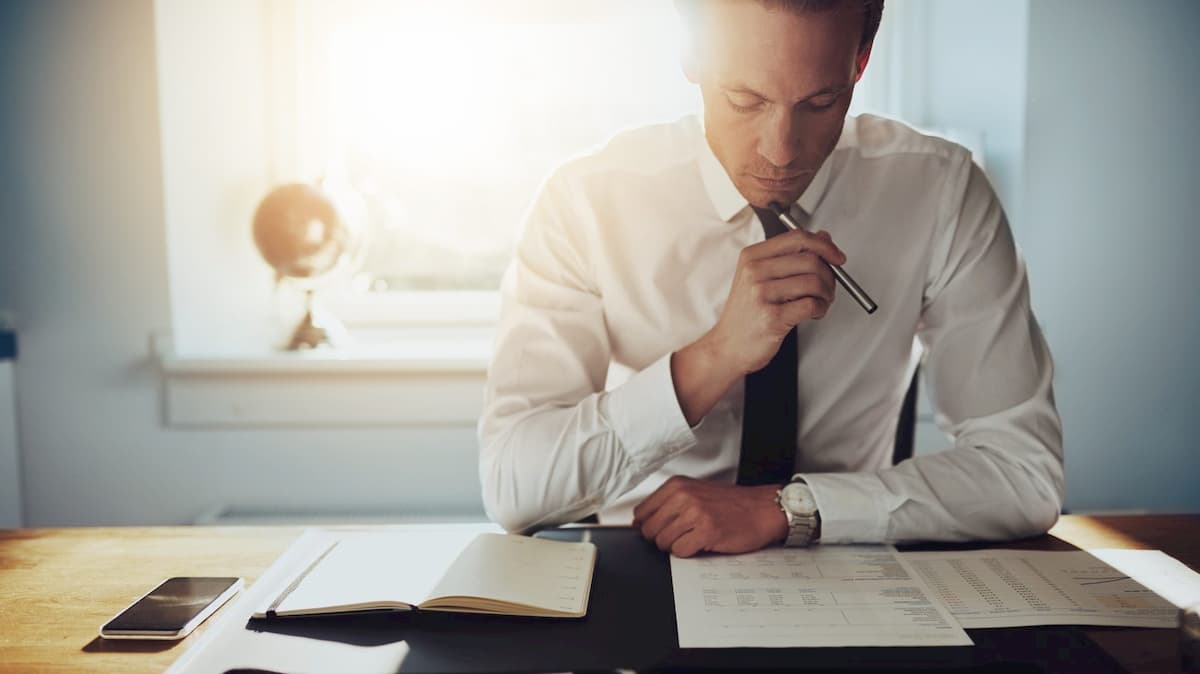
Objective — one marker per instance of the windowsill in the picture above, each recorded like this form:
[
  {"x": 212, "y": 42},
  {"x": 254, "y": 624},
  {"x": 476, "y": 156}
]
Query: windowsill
[
  {"x": 469, "y": 356},
  {"x": 427, "y": 380},
  {"x": 458, "y": 310}
]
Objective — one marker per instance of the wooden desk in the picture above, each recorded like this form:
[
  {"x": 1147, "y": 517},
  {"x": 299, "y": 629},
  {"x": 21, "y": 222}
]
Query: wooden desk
[{"x": 58, "y": 585}]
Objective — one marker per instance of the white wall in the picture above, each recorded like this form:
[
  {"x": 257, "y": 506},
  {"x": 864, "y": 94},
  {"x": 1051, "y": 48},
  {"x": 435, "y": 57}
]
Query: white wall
[
  {"x": 83, "y": 270},
  {"x": 1112, "y": 168},
  {"x": 215, "y": 135}
]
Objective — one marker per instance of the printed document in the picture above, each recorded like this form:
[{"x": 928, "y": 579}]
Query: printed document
[
  {"x": 1013, "y": 588},
  {"x": 822, "y": 596}
]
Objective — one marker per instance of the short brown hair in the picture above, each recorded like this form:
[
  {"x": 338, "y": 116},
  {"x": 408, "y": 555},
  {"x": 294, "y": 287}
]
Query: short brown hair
[{"x": 872, "y": 12}]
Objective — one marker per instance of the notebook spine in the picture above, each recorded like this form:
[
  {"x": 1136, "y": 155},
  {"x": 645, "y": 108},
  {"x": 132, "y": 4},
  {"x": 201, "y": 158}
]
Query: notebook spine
[{"x": 271, "y": 610}]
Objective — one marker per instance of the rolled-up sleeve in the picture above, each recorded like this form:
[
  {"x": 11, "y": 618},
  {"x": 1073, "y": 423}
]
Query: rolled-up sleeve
[
  {"x": 554, "y": 445},
  {"x": 989, "y": 375}
]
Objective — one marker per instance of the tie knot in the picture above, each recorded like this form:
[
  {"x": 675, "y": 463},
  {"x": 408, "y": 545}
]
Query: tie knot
[{"x": 771, "y": 223}]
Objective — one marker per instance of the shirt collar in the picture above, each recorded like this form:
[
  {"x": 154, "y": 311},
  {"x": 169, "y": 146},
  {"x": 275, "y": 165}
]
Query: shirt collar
[{"x": 726, "y": 198}]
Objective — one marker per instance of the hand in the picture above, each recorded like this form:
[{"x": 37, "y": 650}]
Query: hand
[
  {"x": 778, "y": 284},
  {"x": 687, "y": 516}
]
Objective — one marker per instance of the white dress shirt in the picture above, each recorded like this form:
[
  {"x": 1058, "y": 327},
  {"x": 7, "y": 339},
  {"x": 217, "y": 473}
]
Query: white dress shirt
[{"x": 628, "y": 255}]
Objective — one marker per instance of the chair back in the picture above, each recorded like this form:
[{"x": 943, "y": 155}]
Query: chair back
[{"x": 906, "y": 429}]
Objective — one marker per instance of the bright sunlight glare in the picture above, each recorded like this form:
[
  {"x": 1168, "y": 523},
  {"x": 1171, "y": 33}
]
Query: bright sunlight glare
[{"x": 449, "y": 119}]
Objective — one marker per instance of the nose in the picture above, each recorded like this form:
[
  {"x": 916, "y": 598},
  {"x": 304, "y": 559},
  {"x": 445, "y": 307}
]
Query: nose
[{"x": 779, "y": 140}]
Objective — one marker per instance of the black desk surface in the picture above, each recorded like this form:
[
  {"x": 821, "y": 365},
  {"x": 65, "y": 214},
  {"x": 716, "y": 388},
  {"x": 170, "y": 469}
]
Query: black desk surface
[{"x": 630, "y": 625}]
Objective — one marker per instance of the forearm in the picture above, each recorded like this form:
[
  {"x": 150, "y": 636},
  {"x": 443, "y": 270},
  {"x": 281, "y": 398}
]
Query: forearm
[
  {"x": 547, "y": 470},
  {"x": 701, "y": 378},
  {"x": 556, "y": 463},
  {"x": 1003, "y": 480},
  {"x": 978, "y": 493},
  {"x": 957, "y": 495}
]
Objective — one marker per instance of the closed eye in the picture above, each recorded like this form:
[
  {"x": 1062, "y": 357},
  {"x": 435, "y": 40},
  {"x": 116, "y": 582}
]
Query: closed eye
[
  {"x": 744, "y": 102},
  {"x": 822, "y": 103}
]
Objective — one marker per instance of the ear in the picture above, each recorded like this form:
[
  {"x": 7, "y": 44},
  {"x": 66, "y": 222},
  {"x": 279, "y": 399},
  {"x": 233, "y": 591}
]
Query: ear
[{"x": 860, "y": 61}]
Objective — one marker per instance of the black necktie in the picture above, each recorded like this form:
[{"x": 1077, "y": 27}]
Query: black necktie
[{"x": 770, "y": 411}]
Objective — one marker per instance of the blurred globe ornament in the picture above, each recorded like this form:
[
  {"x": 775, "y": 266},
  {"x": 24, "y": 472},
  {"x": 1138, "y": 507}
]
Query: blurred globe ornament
[{"x": 305, "y": 234}]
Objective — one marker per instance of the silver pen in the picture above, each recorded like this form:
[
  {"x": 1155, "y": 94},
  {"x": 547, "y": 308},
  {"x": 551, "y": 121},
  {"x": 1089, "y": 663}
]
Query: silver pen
[{"x": 864, "y": 300}]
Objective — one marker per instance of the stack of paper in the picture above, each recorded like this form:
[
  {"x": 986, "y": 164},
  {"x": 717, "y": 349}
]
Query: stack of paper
[
  {"x": 875, "y": 596},
  {"x": 1013, "y": 588}
]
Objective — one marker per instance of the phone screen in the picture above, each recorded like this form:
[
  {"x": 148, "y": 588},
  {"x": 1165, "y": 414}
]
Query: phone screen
[{"x": 170, "y": 606}]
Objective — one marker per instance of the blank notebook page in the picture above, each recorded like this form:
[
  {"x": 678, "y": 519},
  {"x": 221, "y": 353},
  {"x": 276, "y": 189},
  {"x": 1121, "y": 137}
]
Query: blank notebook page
[
  {"x": 373, "y": 567},
  {"x": 537, "y": 572}
]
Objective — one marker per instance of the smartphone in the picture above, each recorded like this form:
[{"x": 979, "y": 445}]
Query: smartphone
[{"x": 171, "y": 610}]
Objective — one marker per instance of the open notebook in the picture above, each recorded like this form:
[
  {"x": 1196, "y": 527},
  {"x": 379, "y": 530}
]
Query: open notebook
[{"x": 456, "y": 571}]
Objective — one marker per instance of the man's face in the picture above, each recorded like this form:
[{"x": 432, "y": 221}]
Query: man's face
[{"x": 776, "y": 87}]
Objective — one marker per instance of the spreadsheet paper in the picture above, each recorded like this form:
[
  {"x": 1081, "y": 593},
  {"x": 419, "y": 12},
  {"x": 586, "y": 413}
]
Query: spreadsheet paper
[
  {"x": 794, "y": 597},
  {"x": 1015, "y": 588}
]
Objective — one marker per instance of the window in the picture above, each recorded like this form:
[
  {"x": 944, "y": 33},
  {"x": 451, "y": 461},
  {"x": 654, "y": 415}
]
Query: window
[{"x": 445, "y": 117}]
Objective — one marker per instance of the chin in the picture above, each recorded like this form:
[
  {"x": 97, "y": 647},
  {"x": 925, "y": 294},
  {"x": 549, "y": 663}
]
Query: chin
[{"x": 760, "y": 197}]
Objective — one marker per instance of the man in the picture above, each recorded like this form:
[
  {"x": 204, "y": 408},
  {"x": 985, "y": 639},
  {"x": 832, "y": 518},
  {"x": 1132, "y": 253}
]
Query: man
[{"x": 656, "y": 349}]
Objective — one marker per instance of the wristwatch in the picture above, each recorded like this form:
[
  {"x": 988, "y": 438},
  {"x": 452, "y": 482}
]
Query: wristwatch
[{"x": 804, "y": 522}]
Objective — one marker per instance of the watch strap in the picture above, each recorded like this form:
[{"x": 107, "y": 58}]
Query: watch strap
[{"x": 802, "y": 526}]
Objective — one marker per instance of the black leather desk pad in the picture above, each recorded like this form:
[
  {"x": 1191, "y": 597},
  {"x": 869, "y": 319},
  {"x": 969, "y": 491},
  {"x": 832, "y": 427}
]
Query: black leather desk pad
[{"x": 631, "y": 625}]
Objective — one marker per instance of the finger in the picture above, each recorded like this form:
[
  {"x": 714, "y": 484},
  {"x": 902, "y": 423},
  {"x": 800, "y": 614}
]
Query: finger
[
  {"x": 803, "y": 309},
  {"x": 832, "y": 286},
  {"x": 646, "y": 508},
  {"x": 654, "y": 501},
  {"x": 829, "y": 238},
  {"x": 797, "y": 241},
  {"x": 824, "y": 274},
  {"x": 783, "y": 266},
  {"x": 688, "y": 544},
  {"x": 662, "y": 517},
  {"x": 790, "y": 289},
  {"x": 825, "y": 235},
  {"x": 822, "y": 309},
  {"x": 679, "y": 526}
]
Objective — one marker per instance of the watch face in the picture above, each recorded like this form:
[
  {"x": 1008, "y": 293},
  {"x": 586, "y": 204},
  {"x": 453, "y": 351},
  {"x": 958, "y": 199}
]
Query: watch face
[{"x": 798, "y": 499}]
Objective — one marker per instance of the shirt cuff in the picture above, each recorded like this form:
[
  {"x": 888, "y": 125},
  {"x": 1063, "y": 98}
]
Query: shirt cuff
[
  {"x": 854, "y": 507},
  {"x": 646, "y": 416}
]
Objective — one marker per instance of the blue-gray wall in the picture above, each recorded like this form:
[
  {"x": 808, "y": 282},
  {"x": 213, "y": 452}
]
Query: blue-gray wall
[
  {"x": 1112, "y": 220},
  {"x": 1087, "y": 109},
  {"x": 963, "y": 69}
]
